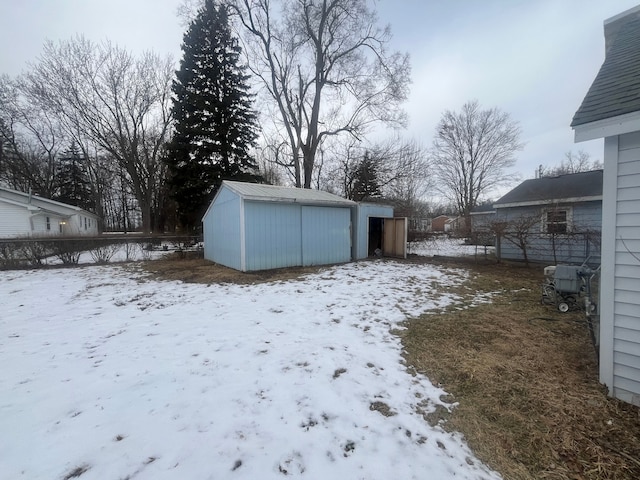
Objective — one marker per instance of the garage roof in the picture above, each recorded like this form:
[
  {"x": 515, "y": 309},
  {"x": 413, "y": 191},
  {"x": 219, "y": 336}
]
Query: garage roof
[{"x": 271, "y": 193}]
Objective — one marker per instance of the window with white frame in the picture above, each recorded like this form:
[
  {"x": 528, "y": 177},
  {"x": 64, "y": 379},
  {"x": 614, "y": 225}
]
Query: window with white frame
[
  {"x": 557, "y": 220},
  {"x": 48, "y": 222}
]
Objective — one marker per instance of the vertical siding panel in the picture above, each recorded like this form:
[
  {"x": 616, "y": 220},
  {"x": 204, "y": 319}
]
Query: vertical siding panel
[
  {"x": 221, "y": 230},
  {"x": 625, "y": 254},
  {"x": 326, "y": 235},
  {"x": 272, "y": 235}
]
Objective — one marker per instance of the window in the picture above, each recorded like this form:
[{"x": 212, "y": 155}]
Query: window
[
  {"x": 48, "y": 221},
  {"x": 85, "y": 223},
  {"x": 557, "y": 221}
]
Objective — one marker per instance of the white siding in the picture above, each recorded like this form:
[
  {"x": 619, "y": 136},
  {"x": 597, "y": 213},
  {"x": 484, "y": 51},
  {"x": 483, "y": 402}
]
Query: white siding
[
  {"x": 19, "y": 217},
  {"x": 14, "y": 221},
  {"x": 620, "y": 299}
]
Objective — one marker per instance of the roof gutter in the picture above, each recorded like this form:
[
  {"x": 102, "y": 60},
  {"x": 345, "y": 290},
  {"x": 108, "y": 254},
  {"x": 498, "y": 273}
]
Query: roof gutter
[{"x": 552, "y": 201}]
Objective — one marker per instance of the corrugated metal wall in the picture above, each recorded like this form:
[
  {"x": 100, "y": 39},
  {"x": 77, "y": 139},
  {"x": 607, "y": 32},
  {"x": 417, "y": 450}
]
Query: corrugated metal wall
[
  {"x": 364, "y": 211},
  {"x": 221, "y": 230},
  {"x": 326, "y": 235},
  {"x": 273, "y": 235},
  {"x": 251, "y": 235},
  {"x": 284, "y": 235}
]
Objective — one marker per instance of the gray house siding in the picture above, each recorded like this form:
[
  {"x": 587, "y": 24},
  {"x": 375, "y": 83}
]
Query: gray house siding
[
  {"x": 482, "y": 221},
  {"x": 222, "y": 230},
  {"x": 620, "y": 318},
  {"x": 583, "y": 241},
  {"x": 272, "y": 235}
]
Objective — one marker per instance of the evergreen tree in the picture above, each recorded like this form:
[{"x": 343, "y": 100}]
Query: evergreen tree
[
  {"x": 215, "y": 126},
  {"x": 366, "y": 185},
  {"x": 73, "y": 183}
]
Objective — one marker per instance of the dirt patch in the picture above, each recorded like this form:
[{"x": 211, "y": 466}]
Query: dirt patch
[
  {"x": 199, "y": 270},
  {"x": 526, "y": 379},
  {"x": 382, "y": 408}
]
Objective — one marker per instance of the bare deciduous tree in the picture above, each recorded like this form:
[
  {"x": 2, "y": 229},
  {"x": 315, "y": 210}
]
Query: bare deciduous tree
[
  {"x": 119, "y": 103},
  {"x": 31, "y": 139},
  {"x": 572, "y": 163},
  {"x": 326, "y": 67},
  {"x": 406, "y": 172},
  {"x": 398, "y": 170},
  {"x": 471, "y": 151},
  {"x": 518, "y": 231}
]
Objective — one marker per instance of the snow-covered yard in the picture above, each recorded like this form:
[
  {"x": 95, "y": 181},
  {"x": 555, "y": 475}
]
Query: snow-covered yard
[
  {"x": 447, "y": 247},
  {"x": 107, "y": 374}
]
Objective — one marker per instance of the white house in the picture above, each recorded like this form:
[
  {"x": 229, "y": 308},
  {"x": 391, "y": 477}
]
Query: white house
[
  {"x": 26, "y": 215},
  {"x": 611, "y": 110}
]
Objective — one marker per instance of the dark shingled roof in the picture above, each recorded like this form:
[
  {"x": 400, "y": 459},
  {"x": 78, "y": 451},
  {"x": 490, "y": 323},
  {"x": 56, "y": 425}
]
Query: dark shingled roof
[
  {"x": 616, "y": 89},
  {"x": 486, "y": 208},
  {"x": 575, "y": 185}
]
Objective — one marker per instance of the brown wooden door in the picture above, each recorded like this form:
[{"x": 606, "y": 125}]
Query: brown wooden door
[{"x": 394, "y": 242}]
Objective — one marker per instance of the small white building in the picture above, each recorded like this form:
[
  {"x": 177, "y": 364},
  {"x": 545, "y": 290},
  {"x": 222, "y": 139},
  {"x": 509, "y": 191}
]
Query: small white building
[
  {"x": 26, "y": 215},
  {"x": 611, "y": 110}
]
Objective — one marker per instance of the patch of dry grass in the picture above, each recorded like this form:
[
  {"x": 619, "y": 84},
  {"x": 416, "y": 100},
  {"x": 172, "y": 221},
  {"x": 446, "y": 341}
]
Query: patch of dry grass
[
  {"x": 195, "y": 269},
  {"x": 524, "y": 375},
  {"x": 526, "y": 380}
]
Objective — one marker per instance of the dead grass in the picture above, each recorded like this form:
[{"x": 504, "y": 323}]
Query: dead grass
[
  {"x": 195, "y": 269},
  {"x": 526, "y": 379},
  {"x": 524, "y": 375}
]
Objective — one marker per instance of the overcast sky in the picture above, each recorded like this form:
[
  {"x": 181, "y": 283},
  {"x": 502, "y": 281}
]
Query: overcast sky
[{"x": 534, "y": 59}]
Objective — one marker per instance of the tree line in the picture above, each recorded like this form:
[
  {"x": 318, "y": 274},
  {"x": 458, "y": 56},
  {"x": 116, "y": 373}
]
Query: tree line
[{"x": 266, "y": 91}]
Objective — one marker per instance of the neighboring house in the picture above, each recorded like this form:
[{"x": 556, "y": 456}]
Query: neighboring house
[
  {"x": 456, "y": 225},
  {"x": 258, "y": 227},
  {"x": 557, "y": 219},
  {"x": 482, "y": 220},
  {"x": 611, "y": 110},
  {"x": 26, "y": 215},
  {"x": 438, "y": 223}
]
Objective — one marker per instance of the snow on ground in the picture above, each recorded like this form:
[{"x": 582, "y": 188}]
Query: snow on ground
[
  {"x": 446, "y": 247},
  {"x": 119, "y": 252},
  {"x": 110, "y": 375}
]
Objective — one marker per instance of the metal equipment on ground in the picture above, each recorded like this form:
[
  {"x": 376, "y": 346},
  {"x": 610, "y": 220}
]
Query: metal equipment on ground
[{"x": 568, "y": 287}]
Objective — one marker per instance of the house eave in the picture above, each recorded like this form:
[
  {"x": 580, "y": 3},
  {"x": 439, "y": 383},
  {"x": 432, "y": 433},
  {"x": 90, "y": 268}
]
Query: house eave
[
  {"x": 550, "y": 201},
  {"x": 608, "y": 127}
]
